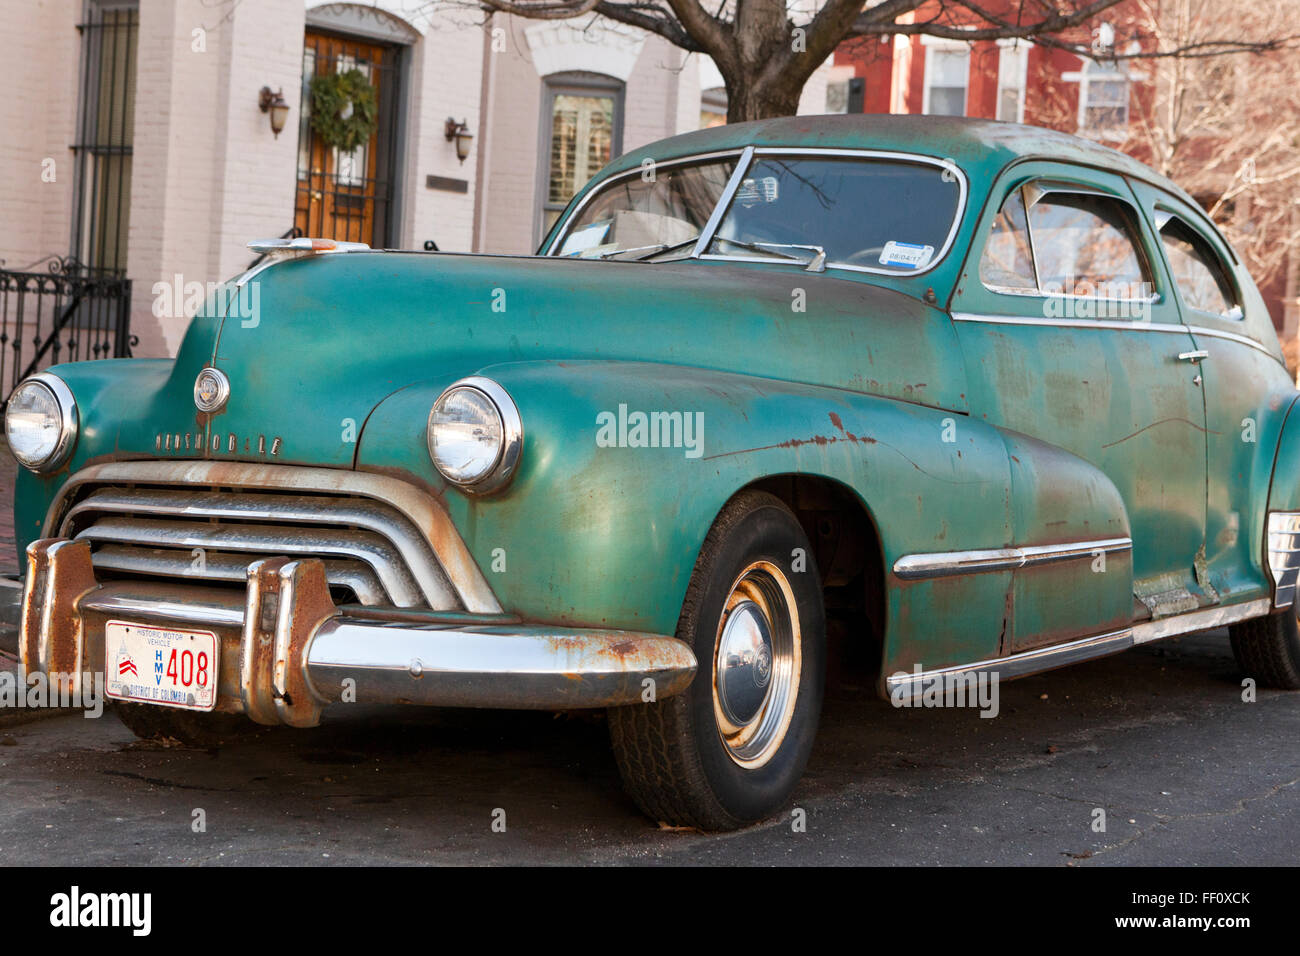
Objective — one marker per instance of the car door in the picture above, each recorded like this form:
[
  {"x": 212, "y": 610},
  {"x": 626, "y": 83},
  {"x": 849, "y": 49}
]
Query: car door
[
  {"x": 1070, "y": 336},
  {"x": 1245, "y": 384}
]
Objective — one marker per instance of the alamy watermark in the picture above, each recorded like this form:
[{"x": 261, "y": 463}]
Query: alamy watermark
[
  {"x": 976, "y": 689},
  {"x": 54, "y": 690},
  {"x": 636, "y": 429}
]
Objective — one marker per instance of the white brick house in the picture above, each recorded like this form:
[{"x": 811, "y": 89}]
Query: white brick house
[{"x": 134, "y": 140}]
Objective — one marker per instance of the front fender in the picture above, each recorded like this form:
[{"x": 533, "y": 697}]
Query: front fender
[
  {"x": 121, "y": 405},
  {"x": 597, "y": 529}
]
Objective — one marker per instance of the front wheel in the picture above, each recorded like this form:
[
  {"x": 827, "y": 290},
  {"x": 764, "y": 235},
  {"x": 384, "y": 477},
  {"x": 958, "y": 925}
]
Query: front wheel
[
  {"x": 730, "y": 749},
  {"x": 1268, "y": 649}
]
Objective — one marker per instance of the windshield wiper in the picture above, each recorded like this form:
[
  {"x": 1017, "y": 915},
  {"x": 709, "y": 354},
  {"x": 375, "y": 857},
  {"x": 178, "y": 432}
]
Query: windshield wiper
[
  {"x": 669, "y": 248},
  {"x": 651, "y": 250},
  {"x": 816, "y": 264}
]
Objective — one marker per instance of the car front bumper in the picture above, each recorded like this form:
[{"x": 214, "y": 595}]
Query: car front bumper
[{"x": 286, "y": 651}]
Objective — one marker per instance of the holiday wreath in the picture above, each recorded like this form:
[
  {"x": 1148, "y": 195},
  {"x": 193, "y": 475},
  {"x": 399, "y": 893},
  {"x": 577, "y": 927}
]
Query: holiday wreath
[{"x": 343, "y": 111}]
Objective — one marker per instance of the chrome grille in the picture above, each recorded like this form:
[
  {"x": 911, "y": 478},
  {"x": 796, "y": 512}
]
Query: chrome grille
[{"x": 211, "y": 534}]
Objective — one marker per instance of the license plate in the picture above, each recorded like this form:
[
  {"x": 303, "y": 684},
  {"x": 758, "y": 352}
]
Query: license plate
[{"x": 158, "y": 665}]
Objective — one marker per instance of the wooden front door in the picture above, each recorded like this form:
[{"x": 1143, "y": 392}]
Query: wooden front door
[{"x": 348, "y": 195}]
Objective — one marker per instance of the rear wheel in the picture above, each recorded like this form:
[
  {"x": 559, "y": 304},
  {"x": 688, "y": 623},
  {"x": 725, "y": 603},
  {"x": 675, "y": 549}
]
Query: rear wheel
[
  {"x": 1268, "y": 649},
  {"x": 731, "y": 748},
  {"x": 191, "y": 728}
]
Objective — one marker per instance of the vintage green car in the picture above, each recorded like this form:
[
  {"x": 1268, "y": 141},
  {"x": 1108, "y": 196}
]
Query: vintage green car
[{"x": 980, "y": 398}]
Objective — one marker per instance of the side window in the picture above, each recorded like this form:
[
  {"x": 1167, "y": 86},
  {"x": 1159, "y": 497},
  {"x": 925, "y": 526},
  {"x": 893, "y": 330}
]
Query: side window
[
  {"x": 1198, "y": 271},
  {"x": 1064, "y": 243},
  {"x": 1007, "y": 262},
  {"x": 1084, "y": 245}
]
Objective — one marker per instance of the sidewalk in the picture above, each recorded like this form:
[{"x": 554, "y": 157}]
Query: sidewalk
[
  {"x": 8, "y": 471},
  {"x": 10, "y": 597}
]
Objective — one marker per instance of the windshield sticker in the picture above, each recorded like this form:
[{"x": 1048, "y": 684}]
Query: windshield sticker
[
  {"x": 585, "y": 238},
  {"x": 906, "y": 254},
  {"x": 754, "y": 191}
]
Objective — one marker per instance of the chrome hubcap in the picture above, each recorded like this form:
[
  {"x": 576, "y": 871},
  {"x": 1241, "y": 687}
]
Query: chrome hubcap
[
  {"x": 744, "y": 662},
  {"x": 756, "y": 665}
]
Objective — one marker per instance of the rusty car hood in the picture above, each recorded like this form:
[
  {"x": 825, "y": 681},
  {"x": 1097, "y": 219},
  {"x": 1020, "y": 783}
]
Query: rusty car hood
[{"x": 314, "y": 344}]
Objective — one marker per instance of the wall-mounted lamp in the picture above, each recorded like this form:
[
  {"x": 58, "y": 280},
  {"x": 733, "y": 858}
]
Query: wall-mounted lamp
[
  {"x": 461, "y": 134},
  {"x": 274, "y": 104}
]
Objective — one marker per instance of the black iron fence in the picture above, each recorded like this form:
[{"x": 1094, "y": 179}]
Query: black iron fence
[{"x": 63, "y": 314}]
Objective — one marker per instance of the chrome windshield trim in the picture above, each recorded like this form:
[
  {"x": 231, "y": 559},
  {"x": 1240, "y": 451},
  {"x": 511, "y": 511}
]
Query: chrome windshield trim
[
  {"x": 562, "y": 232},
  {"x": 1134, "y": 325},
  {"x": 912, "y": 567}
]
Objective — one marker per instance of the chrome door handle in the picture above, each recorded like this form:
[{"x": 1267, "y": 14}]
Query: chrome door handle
[{"x": 1193, "y": 357}]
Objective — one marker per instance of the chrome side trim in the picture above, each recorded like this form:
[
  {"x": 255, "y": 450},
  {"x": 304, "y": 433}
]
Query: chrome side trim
[
  {"x": 420, "y": 508},
  {"x": 941, "y": 564},
  {"x": 1073, "y": 652},
  {"x": 909, "y": 685},
  {"x": 1284, "y": 555},
  {"x": 540, "y": 668},
  {"x": 1133, "y": 325},
  {"x": 1201, "y": 620}
]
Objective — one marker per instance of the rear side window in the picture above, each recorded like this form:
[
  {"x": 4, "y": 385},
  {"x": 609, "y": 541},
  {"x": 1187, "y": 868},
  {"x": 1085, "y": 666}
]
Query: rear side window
[
  {"x": 1065, "y": 243},
  {"x": 1197, "y": 270},
  {"x": 1084, "y": 246}
]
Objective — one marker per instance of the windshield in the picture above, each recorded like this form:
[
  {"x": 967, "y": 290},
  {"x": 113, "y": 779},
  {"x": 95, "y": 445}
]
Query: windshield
[
  {"x": 886, "y": 215},
  {"x": 875, "y": 213},
  {"x": 656, "y": 210}
]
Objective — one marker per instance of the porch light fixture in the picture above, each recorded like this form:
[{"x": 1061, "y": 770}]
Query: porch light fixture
[
  {"x": 274, "y": 104},
  {"x": 461, "y": 134}
]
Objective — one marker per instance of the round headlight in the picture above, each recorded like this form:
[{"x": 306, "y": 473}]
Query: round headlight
[
  {"x": 41, "y": 422},
  {"x": 475, "y": 435}
]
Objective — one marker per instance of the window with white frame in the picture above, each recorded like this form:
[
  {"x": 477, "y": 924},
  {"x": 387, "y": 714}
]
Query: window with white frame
[
  {"x": 1013, "y": 67},
  {"x": 947, "y": 71},
  {"x": 1103, "y": 99},
  {"x": 582, "y": 130}
]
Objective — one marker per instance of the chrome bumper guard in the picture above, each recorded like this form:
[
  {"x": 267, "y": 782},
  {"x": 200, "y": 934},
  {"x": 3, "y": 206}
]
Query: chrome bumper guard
[
  {"x": 287, "y": 650},
  {"x": 1284, "y": 555}
]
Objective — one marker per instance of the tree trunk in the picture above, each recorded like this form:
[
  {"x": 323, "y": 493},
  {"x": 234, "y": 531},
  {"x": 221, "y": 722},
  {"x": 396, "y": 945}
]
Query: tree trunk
[{"x": 756, "y": 101}]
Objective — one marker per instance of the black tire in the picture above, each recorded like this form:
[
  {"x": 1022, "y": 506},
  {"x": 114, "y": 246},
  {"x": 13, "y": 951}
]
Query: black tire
[
  {"x": 671, "y": 753},
  {"x": 1268, "y": 649},
  {"x": 191, "y": 728}
]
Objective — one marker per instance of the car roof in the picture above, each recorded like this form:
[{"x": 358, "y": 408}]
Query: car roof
[{"x": 981, "y": 147}]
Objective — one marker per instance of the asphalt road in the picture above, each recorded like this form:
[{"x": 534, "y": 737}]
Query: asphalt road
[{"x": 1159, "y": 738}]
